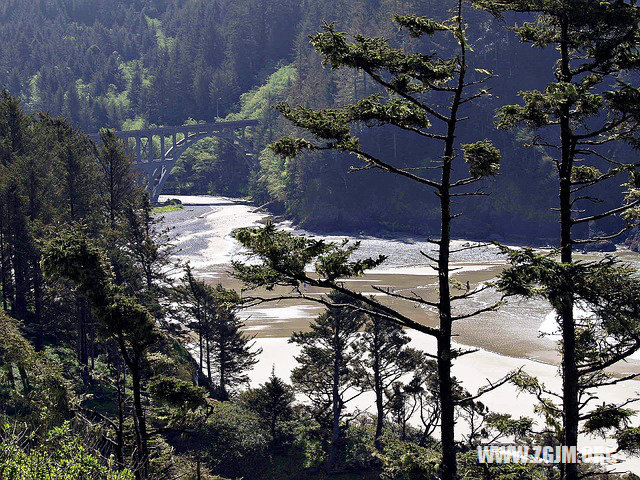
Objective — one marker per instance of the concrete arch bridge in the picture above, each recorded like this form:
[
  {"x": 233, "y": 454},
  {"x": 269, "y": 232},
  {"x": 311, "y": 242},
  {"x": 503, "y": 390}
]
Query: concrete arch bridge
[{"x": 156, "y": 150}]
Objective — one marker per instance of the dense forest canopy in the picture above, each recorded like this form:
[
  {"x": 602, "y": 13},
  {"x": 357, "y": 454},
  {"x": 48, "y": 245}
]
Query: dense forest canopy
[
  {"x": 106, "y": 63},
  {"x": 164, "y": 62},
  {"x": 119, "y": 362}
]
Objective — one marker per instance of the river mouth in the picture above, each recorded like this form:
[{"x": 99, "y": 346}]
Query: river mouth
[
  {"x": 503, "y": 341},
  {"x": 202, "y": 233}
]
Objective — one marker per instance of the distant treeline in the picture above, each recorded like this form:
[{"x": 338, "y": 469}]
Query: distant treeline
[{"x": 164, "y": 62}]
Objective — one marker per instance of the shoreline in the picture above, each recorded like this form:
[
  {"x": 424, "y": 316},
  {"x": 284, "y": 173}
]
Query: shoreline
[
  {"x": 363, "y": 232},
  {"x": 505, "y": 339},
  {"x": 513, "y": 331}
]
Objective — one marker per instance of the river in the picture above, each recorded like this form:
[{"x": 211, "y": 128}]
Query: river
[{"x": 518, "y": 335}]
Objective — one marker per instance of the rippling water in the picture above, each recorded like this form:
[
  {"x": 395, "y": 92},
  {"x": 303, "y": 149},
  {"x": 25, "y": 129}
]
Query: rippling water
[
  {"x": 202, "y": 234},
  {"x": 520, "y": 330}
]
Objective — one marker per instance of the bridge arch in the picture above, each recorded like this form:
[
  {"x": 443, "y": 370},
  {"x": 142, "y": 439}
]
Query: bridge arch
[{"x": 155, "y": 169}]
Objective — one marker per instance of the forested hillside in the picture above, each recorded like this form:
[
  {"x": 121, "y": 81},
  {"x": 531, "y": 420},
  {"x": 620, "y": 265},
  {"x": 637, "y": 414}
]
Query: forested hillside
[
  {"x": 104, "y": 63},
  {"x": 165, "y": 62},
  {"x": 119, "y": 361}
]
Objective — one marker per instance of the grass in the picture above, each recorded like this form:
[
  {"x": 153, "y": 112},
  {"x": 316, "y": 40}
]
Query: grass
[{"x": 167, "y": 208}]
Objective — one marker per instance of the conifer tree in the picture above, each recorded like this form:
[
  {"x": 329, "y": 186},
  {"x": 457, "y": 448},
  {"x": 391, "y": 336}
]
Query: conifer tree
[
  {"x": 230, "y": 350},
  {"x": 195, "y": 294},
  {"x": 385, "y": 360},
  {"x": 576, "y": 120},
  {"x": 70, "y": 255},
  {"x": 13, "y": 125},
  {"x": 147, "y": 245},
  {"x": 136, "y": 90},
  {"x": 117, "y": 180},
  {"x": 273, "y": 402},
  {"x": 423, "y": 94},
  {"x": 328, "y": 366}
]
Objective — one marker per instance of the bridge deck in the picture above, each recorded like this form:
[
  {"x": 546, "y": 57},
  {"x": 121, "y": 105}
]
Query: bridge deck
[
  {"x": 149, "y": 140},
  {"x": 194, "y": 128}
]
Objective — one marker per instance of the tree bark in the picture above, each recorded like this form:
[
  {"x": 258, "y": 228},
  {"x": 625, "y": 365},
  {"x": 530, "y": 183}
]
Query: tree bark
[
  {"x": 447, "y": 414},
  {"x": 134, "y": 363},
  {"x": 335, "y": 403},
  {"x": 445, "y": 383},
  {"x": 4, "y": 283},
  {"x": 83, "y": 351},
  {"x": 142, "y": 469},
  {"x": 569, "y": 364},
  {"x": 224, "y": 395},
  {"x": 120, "y": 425},
  {"x": 207, "y": 343},
  {"x": 377, "y": 382}
]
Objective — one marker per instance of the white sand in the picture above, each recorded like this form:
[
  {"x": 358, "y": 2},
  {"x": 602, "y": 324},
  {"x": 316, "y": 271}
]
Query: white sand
[
  {"x": 213, "y": 229},
  {"x": 281, "y": 313},
  {"x": 474, "y": 370},
  {"x": 211, "y": 248}
]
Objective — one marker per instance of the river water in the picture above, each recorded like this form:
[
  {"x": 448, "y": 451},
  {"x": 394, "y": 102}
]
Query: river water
[{"x": 519, "y": 335}]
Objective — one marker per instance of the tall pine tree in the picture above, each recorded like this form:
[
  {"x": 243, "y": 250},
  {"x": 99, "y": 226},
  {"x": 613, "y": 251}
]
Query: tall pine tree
[
  {"x": 420, "y": 93},
  {"x": 576, "y": 120}
]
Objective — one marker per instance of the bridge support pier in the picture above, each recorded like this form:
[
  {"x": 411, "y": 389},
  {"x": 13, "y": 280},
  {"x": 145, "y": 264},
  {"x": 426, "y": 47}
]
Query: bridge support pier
[{"x": 155, "y": 171}]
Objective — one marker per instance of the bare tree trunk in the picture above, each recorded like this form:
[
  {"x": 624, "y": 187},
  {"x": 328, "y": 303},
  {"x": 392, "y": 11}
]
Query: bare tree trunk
[
  {"x": 447, "y": 405},
  {"x": 10, "y": 376},
  {"x": 224, "y": 395},
  {"x": 83, "y": 357},
  {"x": 4, "y": 283},
  {"x": 200, "y": 337},
  {"x": 569, "y": 362},
  {"x": 377, "y": 382},
  {"x": 120, "y": 425},
  {"x": 208, "y": 346},
  {"x": 37, "y": 296},
  {"x": 142, "y": 469},
  {"x": 24, "y": 378},
  {"x": 336, "y": 407},
  {"x": 205, "y": 325},
  {"x": 134, "y": 363}
]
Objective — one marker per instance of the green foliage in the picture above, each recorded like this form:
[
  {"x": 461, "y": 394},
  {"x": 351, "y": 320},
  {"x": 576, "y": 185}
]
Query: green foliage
[
  {"x": 286, "y": 257},
  {"x": 222, "y": 344},
  {"x": 60, "y": 456},
  {"x": 177, "y": 393},
  {"x": 408, "y": 461},
  {"x": 518, "y": 429},
  {"x": 610, "y": 292},
  {"x": 609, "y": 289},
  {"x": 255, "y": 104},
  {"x": 132, "y": 66},
  {"x": 272, "y": 402},
  {"x": 42, "y": 395},
  {"x": 167, "y": 208},
  {"x": 158, "y": 61},
  {"x": 360, "y": 450},
  {"x": 470, "y": 468},
  {"x": 328, "y": 355},
  {"x": 419, "y": 26},
  {"x": 71, "y": 255},
  {"x": 231, "y": 442},
  {"x": 584, "y": 174},
  {"x": 629, "y": 440},
  {"x": 483, "y": 158},
  {"x": 606, "y": 418},
  {"x": 375, "y": 55}
]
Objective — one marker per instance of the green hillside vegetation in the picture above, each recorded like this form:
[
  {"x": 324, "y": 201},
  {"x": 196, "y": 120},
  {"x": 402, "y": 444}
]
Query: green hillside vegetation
[
  {"x": 157, "y": 62},
  {"x": 117, "y": 364}
]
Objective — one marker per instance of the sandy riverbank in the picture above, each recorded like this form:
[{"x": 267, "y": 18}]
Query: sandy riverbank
[{"x": 508, "y": 339}]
